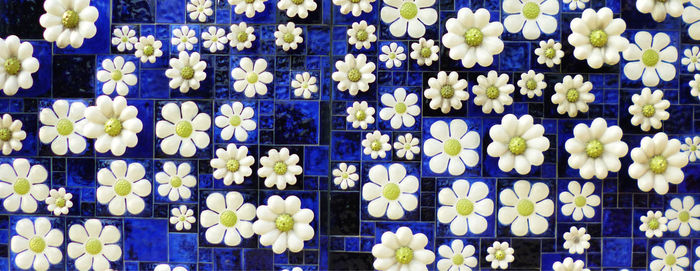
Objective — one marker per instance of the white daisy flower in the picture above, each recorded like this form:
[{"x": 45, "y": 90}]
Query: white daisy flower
[
  {"x": 250, "y": 7},
  {"x": 695, "y": 86},
  {"x": 696, "y": 266},
  {"x": 117, "y": 74},
  {"x": 376, "y": 144},
  {"x": 228, "y": 219},
  {"x": 408, "y": 16},
  {"x": 670, "y": 257},
  {"x": 37, "y": 244},
  {"x": 518, "y": 143},
  {"x": 68, "y": 22},
  {"x": 360, "y": 115},
  {"x": 653, "y": 224},
  {"x": 186, "y": 71},
  {"x": 113, "y": 123},
  {"x": 251, "y": 78},
  {"x": 288, "y": 36},
  {"x": 493, "y": 92},
  {"x": 166, "y": 267},
  {"x": 568, "y": 264},
  {"x": 283, "y": 224},
  {"x": 531, "y": 17},
  {"x": 199, "y": 10},
  {"x": 279, "y": 168},
  {"x": 457, "y": 257},
  {"x": 596, "y": 150},
  {"x": 357, "y": 7},
  {"x": 407, "y": 146},
  {"x": 472, "y": 39},
  {"x": 22, "y": 184},
  {"x": 304, "y": 84},
  {"x": 651, "y": 58},
  {"x": 596, "y": 37},
  {"x": 500, "y": 255},
  {"x": 17, "y": 64},
  {"x": 526, "y": 207},
  {"x": 94, "y": 246},
  {"x": 402, "y": 250},
  {"x": 124, "y": 38},
  {"x": 182, "y": 217},
  {"x": 531, "y": 84},
  {"x": 683, "y": 216},
  {"x": 354, "y": 74},
  {"x": 658, "y": 161},
  {"x": 579, "y": 201},
  {"x": 183, "y": 128},
  {"x": 232, "y": 164},
  {"x": 425, "y": 51},
  {"x": 400, "y": 108},
  {"x": 175, "y": 181},
  {"x": 361, "y": 35},
  {"x": 692, "y": 148},
  {"x": 235, "y": 120},
  {"x": 549, "y": 52},
  {"x": 122, "y": 187},
  {"x": 241, "y": 36},
  {"x": 572, "y": 95},
  {"x": 649, "y": 109},
  {"x": 576, "y": 4},
  {"x": 658, "y": 9},
  {"x": 392, "y": 55},
  {"x": 464, "y": 207},
  {"x": 184, "y": 38},
  {"x": 451, "y": 147},
  {"x": 148, "y": 49},
  {"x": 59, "y": 202},
  {"x": 214, "y": 38},
  {"x": 390, "y": 191},
  {"x": 446, "y": 92},
  {"x": 62, "y": 126},
  {"x": 692, "y": 58},
  {"x": 691, "y": 15},
  {"x": 297, "y": 7},
  {"x": 345, "y": 176},
  {"x": 576, "y": 240}
]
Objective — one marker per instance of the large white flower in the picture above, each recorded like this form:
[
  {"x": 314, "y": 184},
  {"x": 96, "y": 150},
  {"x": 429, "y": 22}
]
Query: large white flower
[
  {"x": 579, "y": 201},
  {"x": 376, "y": 144},
  {"x": 199, "y": 10},
  {"x": 148, "y": 49},
  {"x": 62, "y": 126},
  {"x": 345, "y": 176},
  {"x": 597, "y": 38},
  {"x": 235, "y": 120},
  {"x": 124, "y": 38},
  {"x": 390, "y": 191},
  {"x": 425, "y": 52},
  {"x": 21, "y": 185},
  {"x": 446, "y": 92},
  {"x": 175, "y": 181},
  {"x": 228, "y": 219},
  {"x": 472, "y": 39},
  {"x": 407, "y": 146},
  {"x": 241, "y": 36},
  {"x": 283, "y": 224},
  {"x": 572, "y": 95},
  {"x": 117, "y": 74},
  {"x": 59, "y": 202},
  {"x": 531, "y": 16},
  {"x": 361, "y": 35},
  {"x": 531, "y": 84},
  {"x": 451, "y": 147},
  {"x": 670, "y": 257},
  {"x": 692, "y": 148},
  {"x": 232, "y": 164},
  {"x": 408, "y": 16},
  {"x": 651, "y": 58},
  {"x": 94, "y": 246},
  {"x": 400, "y": 108},
  {"x": 251, "y": 78},
  {"x": 248, "y": 6},
  {"x": 457, "y": 257},
  {"x": 576, "y": 240},
  {"x": 113, "y": 124},
  {"x": 37, "y": 244},
  {"x": 68, "y": 22},
  {"x": 357, "y": 7},
  {"x": 402, "y": 250},
  {"x": 299, "y": 8},
  {"x": 691, "y": 58},
  {"x": 186, "y": 72},
  {"x": 17, "y": 64},
  {"x": 354, "y": 74},
  {"x": 123, "y": 187},
  {"x": 279, "y": 168},
  {"x": 518, "y": 143},
  {"x": 658, "y": 9},
  {"x": 683, "y": 215},
  {"x": 288, "y": 36},
  {"x": 568, "y": 264},
  {"x": 392, "y": 55},
  {"x": 360, "y": 115},
  {"x": 596, "y": 150},
  {"x": 304, "y": 84},
  {"x": 493, "y": 92},
  {"x": 526, "y": 207},
  {"x": 691, "y": 16},
  {"x": 214, "y": 39},
  {"x": 183, "y": 128},
  {"x": 464, "y": 206},
  {"x": 184, "y": 38},
  {"x": 649, "y": 109},
  {"x": 657, "y": 162},
  {"x": 549, "y": 53},
  {"x": 182, "y": 218},
  {"x": 500, "y": 255}
]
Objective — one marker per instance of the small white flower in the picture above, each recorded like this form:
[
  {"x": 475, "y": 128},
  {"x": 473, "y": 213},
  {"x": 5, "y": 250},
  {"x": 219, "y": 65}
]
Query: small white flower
[
  {"x": 357, "y": 7},
  {"x": 596, "y": 150},
  {"x": 297, "y": 7},
  {"x": 124, "y": 38},
  {"x": 653, "y": 224},
  {"x": 649, "y": 109},
  {"x": 531, "y": 84},
  {"x": 214, "y": 38},
  {"x": 579, "y": 201},
  {"x": 37, "y": 244},
  {"x": 113, "y": 123},
  {"x": 569, "y": 265},
  {"x": 232, "y": 164},
  {"x": 68, "y": 22},
  {"x": 183, "y": 128},
  {"x": 472, "y": 39},
  {"x": 279, "y": 168},
  {"x": 283, "y": 224},
  {"x": 457, "y": 257},
  {"x": 446, "y": 92},
  {"x": 425, "y": 51},
  {"x": 651, "y": 58},
  {"x": 166, "y": 267},
  {"x": 184, "y": 38},
  {"x": 182, "y": 217},
  {"x": 576, "y": 4},
  {"x": 22, "y": 184},
  {"x": 228, "y": 219},
  {"x": 464, "y": 207},
  {"x": 500, "y": 255},
  {"x": 696, "y": 266},
  {"x": 94, "y": 246},
  {"x": 123, "y": 187},
  {"x": 175, "y": 181},
  {"x": 531, "y": 17},
  {"x": 296, "y": 268},
  {"x": 345, "y": 176},
  {"x": 526, "y": 207},
  {"x": 390, "y": 191},
  {"x": 549, "y": 52},
  {"x": 692, "y": 58},
  {"x": 304, "y": 84},
  {"x": 199, "y": 10},
  {"x": 148, "y": 49},
  {"x": 354, "y": 74},
  {"x": 392, "y": 55},
  {"x": 669, "y": 257},
  {"x": 402, "y": 250},
  {"x": 451, "y": 147},
  {"x": 241, "y": 36},
  {"x": 360, "y": 115},
  {"x": 518, "y": 143},
  {"x": 117, "y": 74},
  {"x": 657, "y": 162},
  {"x": 692, "y": 148},
  {"x": 59, "y": 202},
  {"x": 695, "y": 86},
  {"x": 400, "y": 108},
  {"x": 288, "y": 36},
  {"x": 248, "y": 6},
  {"x": 361, "y": 35},
  {"x": 691, "y": 15},
  {"x": 683, "y": 216},
  {"x": 251, "y": 78},
  {"x": 408, "y": 16},
  {"x": 62, "y": 126},
  {"x": 235, "y": 120},
  {"x": 376, "y": 144},
  {"x": 186, "y": 72},
  {"x": 658, "y": 9},
  {"x": 407, "y": 146},
  {"x": 576, "y": 240},
  {"x": 596, "y": 37},
  {"x": 572, "y": 95},
  {"x": 17, "y": 64},
  {"x": 493, "y": 92}
]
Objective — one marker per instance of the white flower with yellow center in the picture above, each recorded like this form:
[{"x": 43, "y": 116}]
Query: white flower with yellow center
[
  {"x": 354, "y": 74},
  {"x": 576, "y": 240},
  {"x": 691, "y": 16},
  {"x": 531, "y": 84},
  {"x": 695, "y": 86},
  {"x": 117, "y": 74},
  {"x": 658, "y": 161},
  {"x": 250, "y": 7},
  {"x": 113, "y": 123},
  {"x": 279, "y": 168},
  {"x": 59, "y": 202},
  {"x": 199, "y": 10},
  {"x": 361, "y": 35},
  {"x": 653, "y": 224},
  {"x": 691, "y": 58},
  {"x": 241, "y": 36},
  {"x": 683, "y": 216},
  {"x": 649, "y": 109},
  {"x": 670, "y": 257},
  {"x": 659, "y": 8},
  {"x": 62, "y": 126},
  {"x": 183, "y": 128},
  {"x": 451, "y": 147},
  {"x": 186, "y": 72},
  {"x": 526, "y": 208},
  {"x": 464, "y": 207},
  {"x": 22, "y": 184},
  {"x": 576, "y": 4},
  {"x": 407, "y": 146},
  {"x": 184, "y": 38},
  {"x": 493, "y": 92},
  {"x": 304, "y": 84},
  {"x": 472, "y": 39},
  {"x": 360, "y": 115},
  {"x": 579, "y": 201},
  {"x": 94, "y": 246},
  {"x": 408, "y": 16},
  {"x": 288, "y": 36},
  {"x": 175, "y": 181},
  {"x": 596, "y": 37},
  {"x": 283, "y": 224},
  {"x": 596, "y": 150},
  {"x": 214, "y": 39},
  {"x": 572, "y": 95},
  {"x": 376, "y": 144},
  {"x": 124, "y": 38},
  {"x": 549, "y": 53},
  {"x": 392, "y": 55},
  {"x": 37, "y": 244},
  {"x": 531, "y": 17},
  {"x": 651, "y": 58},
  {"x": 518, "y": 143},
  {"x": 182, "y": 217},
  {"x": 390, "y": 191},
  {"x": 123, "y": 187},
  {"x": 251, "y": 78},
  {"x": 299, "y": 8},
  {"x": 692, "y": 148},
  {"x": 425, "y": 52},
  {"x": 68, "y": 22},
  {"x": 446, "y": 92},
  {"x": 400, "y": 108},
  {"x": 456, "y": 257},
  {"x": 232, "y": 164},
  {"x": 228, "y": 219},
  {"x": 148, "y": 49},
  {"x": 17, "y": 64},
  {"x": 236, "y": 121},
  {"x": 345, "y": 176},
  {"x": 568, "y": 264},
  {"x": 357, "y": 7},
  {"x": 500, "y": 254},
  {"x": 402, "y": 250}
]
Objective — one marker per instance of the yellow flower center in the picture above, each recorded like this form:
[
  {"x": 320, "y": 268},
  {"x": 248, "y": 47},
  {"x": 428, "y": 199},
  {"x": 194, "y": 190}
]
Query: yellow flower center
[
  {"x": 492, "y": 92},
  {"x": 125, "y": 38},
  {"x": 531, "y": 84},
  {"x": 425, "y": 52},
  {"x": 360, "y": 115},
  {"x": 344, "y": 175},
  {"x": 288, "y": 37},
  {"x": 228, "y": 218},
  {"x": 531, "y": 10},
  {"x": 658, "y": 164},
  {"x": 572, "y": 95},
  {"x": 298, "y": 2},
  {"x": 550, "y": 52},
  {"x": 37, "y": 244},
  {"x": 580, "y": 201},
  {"x": 122, "y": 187},
  {"x": 21, "y": 186},
  {"x": 13, "y": 66},
  {"x": 354, "y": 75},
  {"x": 650, "y": 57},
  {"x": 175, "y": 182},
  {"x": 594, "y": 148},
  {"x": 404, "y": 255},
  {"x": 284, "y": 222},
  {"x": 187, "y": 73},
  {"x": 500, "y": 255},
  {"x": 670, "y": 260},
  {"x": 452, "y": 147},
  {"x": 116, "y": 75},
  {"x": 252, "y": 78},
  {"x": 183, "y": 129},
  {"x": 473, "y": 37},
  {"x": 517, "y": 145},
  {"x": 113, "y": 127},
  {"x": 70, "y": 19},
  {"x": 447, "y": 92},
  {"x": 598, "y": 38},
  {"x": 653, "y": 224},
  {"x": 525, "y": 207},
  {"x": 362, "y": 35},
  {"x": 684, "y": 216},
  {"x": 242, "y": 36},
  {"x": 5, "y": 134},
  {"x": 280, "y": 168},
  {"x": 148, "y": 50},
  {"x": 400, "y": 108},
  {"x": 184, "y": 39},
  {"x": 408, "y": 10},
  {"x": 60, "y": 202},
  {"x": 235, "y": 121},
  {"x": 648, "y": 110},
  {"x": 391, "y": 191},
  {"x": 182, "y": 218},
  {"x": 64, "y": 127},
  {"x": 464, "y": 207},
  {"x": 233, "y": 165},
  {"x": 457, "y": 259},
  {"x": 375, "y": 145},
  {"x": 93, "y": 246}
]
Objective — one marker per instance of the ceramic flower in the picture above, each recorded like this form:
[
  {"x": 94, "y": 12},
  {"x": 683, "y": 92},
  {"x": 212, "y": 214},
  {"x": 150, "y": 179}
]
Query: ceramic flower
[
  {"x": 227, "y": 219},
  {"x": 288, "y": 36},
  {"x": 408, "y": 16},
  {"x": 531, "y": 17},
  {"x": 113, "y": 123},
  {"x": 17, "y": 64},
  {"x": 360, "y": 115},
  {"x": 357, "y": 7},
  {"x": 596, "y": 37},
  {"x": 695, "y": 86},
  {"x": 549, "y": 52},
  {"x": 576, "y": 240},
  {"x": 251, "y": 78},
  {"x": 579, "y": 201},
  {"x": 696, "y": 266},
  {"x": 175, "y": 181},
  {"x": 464, "y": 207},
  {"x": 500, "y": 255},
  {"x": 68, "y": 22},
  {"x": 299, "y": 8},
  {"x": 199, "y": 10},
  {"x": 402, "y": 250},
  {"x": 214, "y": 39},
  {"x": 424, "y": 52},
  {"x": 354, "y": 74},
  {"x": 657, "y": 162},
  {"x": 653, "y": 224},
  {"x": 670, "y": 257},
  {"x": 692, "y": 148},
  {"x": 407, "y": 146},
  {"x": 183, "y": 128},
  {"x": 345, "y": 176},
  {"x": 691, "y": 15},
  {"x": 241, "y": 36},
  {"x": 596, "y": 150},
  {"x": 148, "y": 49},
  {"x": 361, "y": 35},
  {"x": 572, "y": 95},
  {"x": 472, "y": 39},
  {"x": 683, "y": 216},
  {"x": 568, "y": 264},
  {"x": 659, "y": 9},
  {"x": 62, "y": 126},
  {"x": 166, "y": 267},
  {"x": 249, "y": 7},
  {"x": 376, "y": 144},
  {"x": 279, "y": 168},
  {"x": 576, "y": 4},
  {"x": 117, "y": 74},
  {"x": 651, "y": 58},
  {"x": 124, "y": 38},
  {"x": 392, "y": 55},
  {"x": 691, "y": 58},
  {"x": 518, "y": 143},
  {"x": 123, "y": 187},
  {"x": 451, "y": 147},
  {"x": 304, "y": 84},
  {"x": 457, "y": 256},
  {"x": 446, "y": 92},
  {"x": 236, "y": 120},
  {"x": 59, "y": 202},
  {"x": 94, "y": 245},
  {"x": 186, "y": 72},
  {"x": 232, "y": 164},
  {"x": 390, "y": 191},
  {"x": 493, "y": 92},
  {"x": 531, "y": 84},
  {"x": 184, "y": 38},
  {"x": 400, "y": 108},
  {"x": 37, "y": 244},
  {"x": 182, "y": 217},
  {"x": 526, "y": 208},
  {"x": 22, "y": 184},
  {"x": 649, "y": 109},
  {"x": 283, "y": 224}
]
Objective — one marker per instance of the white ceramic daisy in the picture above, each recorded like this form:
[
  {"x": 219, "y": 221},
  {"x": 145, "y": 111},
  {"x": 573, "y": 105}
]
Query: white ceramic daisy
[
  {"x": 241, "y": 36},
  {"x": 182, "y": 217},
  {"x": 696, "y": 266},
  {"x": 304, "y": 84},
  {"x": 457, "y": 257},
  {"x": 596, "y": 150},
  {"x": 576, "y": 4},
  {"x": 279, "y": 168},
  {"x": 576, "y": 240},
  {"x": 500, "y": 255},
  {"x": 670, "y": 257},
  {"x": 653, "y": 224},
  {"x": 691, "y": 15},
  {"x": 392, "y": 55},
  {"x": 572, "y": 95},
  {"x": 695, "y": 86},
  {"x": 683, "y": 216},
  {"x": 390, "y": 191},
  {"x": 518, "y": 143},
  {"x": 657, "y": 162},
  {"x": 531, "y": 17},
  {"x": 251, "y": 78},
  {"x": 526, "y": 207},
  {"x": 17, "y": 64},
  {"x": 360, "y": 115},
  {"x": 184, "y": 38},
  {"x": 531, "y": 84},
  {"x": 425, "y": 51},
  {"x": 59, "y": 202},
  {"x": 148, "y": 49},
  {"x": 549, "y": 53},
  {"x": 361, "y": 35},
  {"x": 408, "y": 16},
  {"x": 400, "y": 108},
  {"x": 649, "y": 109},
  {"x": 228, "y": 219},
  {"x": 68, "y": 22},
  {"x": 402, "y": 250},
  {"x": 597, "y": 38},
  {"x": 579, "y": 201},
  {"x": 236, "y": 121},
  {"x": 62, "y": 126},
  {"x": 113, "y": 123},
  {"x": 22, "y": 184},
  {"x": 691, "y": 58},
  {"x": 451, "y": 147},
  {"x": 493, "y": 92},
  {"x": 232, "y": 164},
  {"x": 124, "y": 38},
  {"x": 472, "y": 39},
  {"x": 568, "y": 264},
  {"x": 464, "y": 207},
  {"x": 345, "y": 176},
  {"x": 299, "y": 8},
  {"x": 283, "y": 224},
  {"x": 175, "y": 181},
  {"x": 651, "y": 58},
  {"x": 407, "y": 146},
  {"x": 37, "y": 244},
  {"x": 199, "y": 10},
  {"x": 123, "y": 187},
  {"x": 117, "y": 74},
  {"x": 446, "y": 92},
  {"x": 215, "y": 39},
  {"x": 94, "y": 245},
  {"x": 166, "y": 267},
  {"x": 376, "y": 144},
  {"x": 250, "y": 7},
  {"x": 692, "y": 148},
  {"x": 357, "y": 7},
  {"x": 288, "y": 36},
  {"x": 354, "y": 74},
  {"x": 659, "y": 9},
  {"x": 183, "y": 128},
  {"x": 186, "y": 72}
]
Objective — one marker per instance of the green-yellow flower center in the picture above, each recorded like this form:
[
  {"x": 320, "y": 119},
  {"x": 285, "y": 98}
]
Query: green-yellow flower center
[
  {"x": 408, "y": 10},
  {"x": 693, "y": 148},
  {"x": 531, "y": 10},
  {"x": 500, "y": 255},
  {"x": 404, "y": 255},
  {"x": 684, "y": 216},
  {"x": 598, "y": 38},
  {"x": 658, "y": 164},
  {"x": 464, "y": 207},
  {"x": 214, "y": 38},
  {"x": 182, "y": 218},
  {"x": 13, "y": 66},
  {"x": 457, "y": 259},
  {"x": 37, "y": 244},
  {"x": 148, "y": 50},
  {"x": 473, "y": 37},
  {"x": 580, "y": 201},
  {"x": 594, "y": 148},
  {"x": 653, "y": 224},
  {"x": 242, "y": 36},
  {"x": 233, "y": 165},
  {"x": 354, "y": 1},
  {"x": 288, "y": 37},
  {"x": 452, "y": 147},
  {"x": 5, "y": 134},
  {"x": 298, "y": 2},
  {"x": 249, "y": 1},
  {"x": 187, "y": 73},
  {"x": 113, "y": 127},
  {"x": 284, "y": 222},
  {"x": 280, "y": 168},
  {"x": 550, "y": 52},
  {"x": 360, "y": 115},
  {"x": 184, "y": 39},
  {"x": 648, "y": 110},
  {"x": 391, "y": 191},
  {"x": 492, "y": 92},
  {"x": 693, "y": 59},
  {"x": 525, "y": 207},
  {"x": 362, "y": 35},
  {"x": 228, "y": 218},
  {"x": 116, "y": 75},
  {"x": 122, "y": 187},
  {"x": 125, "y": 38},
  {"x": 354, "y": 75},
  {"x": 252, "y": 77},
  {"x": 70, "y": 19},
  {"x": 375, "y": 145},
  {"x": 392, "y": 55},
  {"x": 650, "y": 57},
  {"x": 572, "y": 95},
  {"x": 183, "y": 129},
  {"x": 175, "y": 182},
  {"x": 425, "y": 52},
  {"x": 447, "y": 92},
  {"x": 60, "y": 202},
  {"x": 93, "y": 246},
  {"x": 531, "y": 84},
  {"x": 64, "y": 127},
  {"x": 344, "y": 175},
  {"x": 517, "y": 145},
  {"x": 235, "y": 121},
  {"x": 400, "y": 108},
  {"x": 670, "y": 260},
  {"x": 21, "y": 186}
]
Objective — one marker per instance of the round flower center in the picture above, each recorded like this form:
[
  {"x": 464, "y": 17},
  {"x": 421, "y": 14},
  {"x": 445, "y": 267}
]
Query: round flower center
[
  {"x": 531, "y": 10},
  {"x": 233, "y": 165},
  {"x": 354, "y": 1},
  {"x": 550, "y": 52},
  {"x": 122, "y": 187},
  {"x": 249, "y": 1},
  {"x": 360, "y": 115},
  {"x": 252, "y": 77},
  {"x": 392, "y": 55},
  {"x": 21, "y": 186},
  {"x": 525, "y": 207},
  {"x": 183, "y": 129},
  {"x": 228, "y": 218},
  {"x": 648, "y": 110},
  {"x": 391, "y": 191},
  {"x": 492, "y": 92},
  {"x": 113, "y": 127},
  {"x": 598, "y": 38},
  {"x": 580, "y": 201},
  {"x": 693, "y": 59},
  {"x": 64, "y": 127},
  {"x": 531, "y": 84},
  {"x": 288, "y": 37},
  {"x": 182, "y": 218},
  {"x": 344, "y": 175},
  {"x": 37, "y": 244},
  {"x": 457, "y": 259},
  {"x": 670, "y": 260},
  {"x": 280, "y": 168},
  {"x": 93, "y": 246},
  {"x": 354, "y": 75},
  {"x": 473, "y": 37},
  {"x": 284, "y": 222},
  {"x": 242, "y": 36},
  {"x": 572, "y": 95},
  {"x": 404, "y": 255},
  {"x": 425, "y": 52},
  {"x": 684, "y": 216},
  {"x": 5, "y": 134},
  {"x": 500, "y": 255},
  {"x": 175, "y": 182},
  {"x": 693, "y": 147},
  {"x": 116, "y": 75},
  {"x": 594, "y": 148},
  {"x": 517, "y": 145},
  {"x": 70, "y": 19},
  {"x": 653, "y": 224},
  {"x": 362, "y": 35},
  {"x": 407, "y": 146},
  {"x": 464, "y": 207},
  {"x": 215, "y": 39},
  {"x": 650, "y": 57},
  {"x": 400, "y": 108},
  {"x": 235, "y": 121},
  {"x": 125, "y": 39},
  {"x": 13, "y": 66},
  {"x": 408, "y": 10},
  {"x": 200, "y": 9},
  {"x": 658, "y": 164},
  {"x": 187, "y": 73},
  {"x": 148, "y": 50},
  {"x": 298, "y": 2},
  {"x": 447, "y": 91},
  {"x": 61, "y": 202},
  {"x": 184, "y": 39},
  {"x": 375, "y": 145},
  {"x": 452, "y": 147}
]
